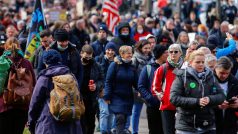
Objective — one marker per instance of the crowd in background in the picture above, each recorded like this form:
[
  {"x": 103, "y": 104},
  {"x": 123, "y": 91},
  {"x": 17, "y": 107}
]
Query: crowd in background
[{"x": 181, "y": 65}]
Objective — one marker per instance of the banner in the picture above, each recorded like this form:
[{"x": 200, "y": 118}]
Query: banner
[{"x": 37, "y": 24}]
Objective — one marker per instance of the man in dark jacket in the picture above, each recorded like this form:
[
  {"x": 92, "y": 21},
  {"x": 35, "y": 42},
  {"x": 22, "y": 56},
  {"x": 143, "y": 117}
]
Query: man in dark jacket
[
  {"x": 100, "y": 44},
  {"x": 124, "y": 36},
  {"x": 144, "y": 87},
  {"x": 225, "y": 115},
  {"x": 221, "y": 33},
  {"x": 69, "y": 53},
  {"x": 93, "y": 82}
]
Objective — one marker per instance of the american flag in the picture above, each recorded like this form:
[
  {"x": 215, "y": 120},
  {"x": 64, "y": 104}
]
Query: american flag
[{"x": 110, "y": 10}]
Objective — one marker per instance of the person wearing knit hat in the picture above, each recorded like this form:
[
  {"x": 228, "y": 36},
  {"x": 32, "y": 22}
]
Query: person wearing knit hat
[
  {"x": 159, "y": 50},
  {"x": 100, "y": 43},
  {"x": 69, "y": 54},
  {"x": 110, "y": 45},
  {"x": 213, "y": 42},
  {"x": 144, "y": 87},
  {"x": 152, "y": 40},
  {"x": 51, "y": 57},
  {"x": 61, "y": 35},
  {"x": 105, "y": 116}
]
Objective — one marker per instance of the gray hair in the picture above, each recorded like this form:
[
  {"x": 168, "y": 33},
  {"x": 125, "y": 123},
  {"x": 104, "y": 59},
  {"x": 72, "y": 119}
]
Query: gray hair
[
  {"x": 205, "y": 50},
  {"x": 225, "y": 23},
  {"x": 209, "y": 58},
  {"x": 195, "y": 43},
  {"x": 176, "y": 46}
]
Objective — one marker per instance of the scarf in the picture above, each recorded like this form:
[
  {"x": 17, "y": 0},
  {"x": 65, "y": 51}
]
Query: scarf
[{"x": 175, "y": 65}]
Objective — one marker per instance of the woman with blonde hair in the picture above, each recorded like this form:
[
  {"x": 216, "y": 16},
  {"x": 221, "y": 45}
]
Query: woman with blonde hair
[
  {"x": 195, "y": 92},
  {"x": 118, "y": 92},
  {"x": 13, "y": 114}
]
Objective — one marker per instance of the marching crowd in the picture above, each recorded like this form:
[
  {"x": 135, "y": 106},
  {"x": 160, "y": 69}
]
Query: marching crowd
[{"x": 82, "y": 72}]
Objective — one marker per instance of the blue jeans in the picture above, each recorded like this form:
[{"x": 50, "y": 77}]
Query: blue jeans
[
  {"x": 106, "y": 119},
  {"x": 135, "y": 118}
]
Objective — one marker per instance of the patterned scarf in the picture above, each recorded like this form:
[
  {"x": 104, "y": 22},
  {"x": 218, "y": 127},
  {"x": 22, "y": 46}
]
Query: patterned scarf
[{"x": 175, "y": 65}]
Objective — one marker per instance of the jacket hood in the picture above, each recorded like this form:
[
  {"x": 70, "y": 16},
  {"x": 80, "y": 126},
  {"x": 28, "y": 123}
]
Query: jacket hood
[
  {"x": 123, "y": 24},
  {"x": 54, "y": 71}
]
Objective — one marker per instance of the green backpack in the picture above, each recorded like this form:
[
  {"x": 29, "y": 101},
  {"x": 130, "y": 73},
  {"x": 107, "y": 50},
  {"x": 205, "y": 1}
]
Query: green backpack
[{"x": 5, "y": 64}]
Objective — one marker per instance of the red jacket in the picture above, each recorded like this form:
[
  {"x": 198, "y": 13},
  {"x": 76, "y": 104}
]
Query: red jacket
[
  {"x": 138, "y": 36},
  {"x": 157, "y": 86}
]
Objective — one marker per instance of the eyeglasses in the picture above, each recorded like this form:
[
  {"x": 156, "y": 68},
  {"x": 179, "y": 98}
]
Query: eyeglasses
[{"x": 175, "y": 52}]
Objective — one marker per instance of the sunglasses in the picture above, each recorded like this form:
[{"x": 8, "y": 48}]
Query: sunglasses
[{"x": 175, "y": 52}]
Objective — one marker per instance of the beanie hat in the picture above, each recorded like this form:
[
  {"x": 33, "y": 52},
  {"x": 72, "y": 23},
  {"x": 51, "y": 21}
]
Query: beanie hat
[
  {"x": 51, "y": 57},
  {"x": 211, "y": 46},
  {"x": 110, "y": 45},
  {"x": 164, "y": 39},
  {"x": 103, "y": 27},
  {"x": 212, "y": 39},
  {"x": 61, "y": 35},
  {"x": 159, "y": 50}
]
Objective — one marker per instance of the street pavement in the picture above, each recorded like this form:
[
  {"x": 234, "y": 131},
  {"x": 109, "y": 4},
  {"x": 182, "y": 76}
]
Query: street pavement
[{"x": 143, "y": 126}]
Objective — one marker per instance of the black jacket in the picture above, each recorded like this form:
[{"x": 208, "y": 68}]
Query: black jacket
[
  {"x": 185, "y": 93},
  {"x": 227, "y": 124},
  {"x": 73, "y": 60}
]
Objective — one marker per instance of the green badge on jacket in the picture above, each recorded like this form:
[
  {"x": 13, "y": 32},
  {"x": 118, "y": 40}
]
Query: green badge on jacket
[{"x": 192, "y": 85}]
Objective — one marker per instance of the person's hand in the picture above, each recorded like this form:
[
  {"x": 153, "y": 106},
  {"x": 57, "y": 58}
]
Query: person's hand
[
  {"x": 107, "y": 101},
  {"x": 224, "y": 105},
  {"x": 204, "y": 101},
  {"x": 160, "y": 95},
  {"x": 235, "y": 104},
  {"x": 92, "y": 87},
  {"x": 228, "y": 36},
  {"x": 138, "y": 94}
]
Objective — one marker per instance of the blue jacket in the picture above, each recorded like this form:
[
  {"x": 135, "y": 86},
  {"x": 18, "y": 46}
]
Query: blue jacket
[
  {"x": 120, "y": 80},
  {"x": 227, "y": 50},
  {"x": 39, "y": 118},
  {"x": 99, "y": 47},
  {"x": 145, "y": 82},
  {"x": 104, "y": 62}
]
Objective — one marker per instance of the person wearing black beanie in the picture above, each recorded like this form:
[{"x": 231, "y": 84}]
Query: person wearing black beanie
[
  {"x": 159, "y": 51},
  {"x": 69, "y": 53},
  {"x": 144, "y": 87}
]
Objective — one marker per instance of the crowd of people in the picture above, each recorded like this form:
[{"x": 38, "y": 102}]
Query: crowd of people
[{"x": 184, "y": 71}]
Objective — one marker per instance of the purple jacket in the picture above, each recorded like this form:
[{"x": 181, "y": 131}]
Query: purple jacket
[{"x": 39, "y": 118}]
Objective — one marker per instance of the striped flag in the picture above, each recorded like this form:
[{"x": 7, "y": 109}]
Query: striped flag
[
  {"x": 37, "y": 24},
  {"x": 111, "y": 12}
]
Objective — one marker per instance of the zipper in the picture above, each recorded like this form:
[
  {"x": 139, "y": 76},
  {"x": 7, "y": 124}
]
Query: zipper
[{"x": 203, "y": 91}]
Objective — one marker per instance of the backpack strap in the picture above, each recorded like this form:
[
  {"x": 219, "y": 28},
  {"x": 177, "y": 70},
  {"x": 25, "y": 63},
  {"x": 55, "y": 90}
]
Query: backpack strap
[
  {"x": 136, "y": 63},
  {"x": 148, "y": 69}
]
